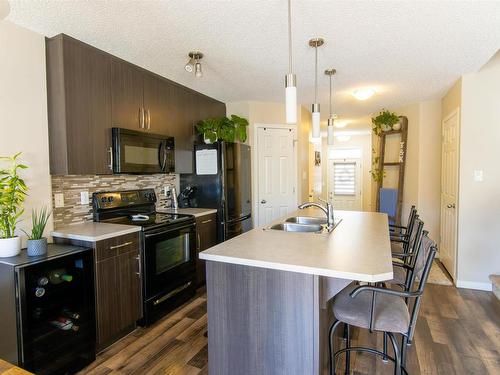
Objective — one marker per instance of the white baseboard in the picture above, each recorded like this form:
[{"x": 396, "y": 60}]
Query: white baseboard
[{"x": 474, "y": 285}]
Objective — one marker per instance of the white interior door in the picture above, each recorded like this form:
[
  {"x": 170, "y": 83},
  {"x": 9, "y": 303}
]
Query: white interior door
[
  {"x": 449, "y": 192},
  {"x": 344, "y": 185},
  {"x": 276, "y": 173}
]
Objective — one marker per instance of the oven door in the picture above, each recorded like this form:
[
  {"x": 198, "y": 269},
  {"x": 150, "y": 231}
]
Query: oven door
[
  {"x": 137, "y": 152},
  {"x": 169, "y": 258}
]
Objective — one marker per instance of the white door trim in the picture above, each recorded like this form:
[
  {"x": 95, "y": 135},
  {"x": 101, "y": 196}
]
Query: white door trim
[
  {"x": 454, "y": 112},
  {"x": 255, "y": 163}
]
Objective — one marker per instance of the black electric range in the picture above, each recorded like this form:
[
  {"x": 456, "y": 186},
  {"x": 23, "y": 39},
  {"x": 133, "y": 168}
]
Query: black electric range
[{"x": 168, "y": 247}]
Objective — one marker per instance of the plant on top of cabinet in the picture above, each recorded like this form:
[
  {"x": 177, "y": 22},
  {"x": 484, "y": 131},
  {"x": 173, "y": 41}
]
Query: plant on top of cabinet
[
  {"x": 12, "y": 195},
  {"x": 385, "y": 121},
  {"x": 224, "y": 129},
  {"x": 37, "y": 243}
]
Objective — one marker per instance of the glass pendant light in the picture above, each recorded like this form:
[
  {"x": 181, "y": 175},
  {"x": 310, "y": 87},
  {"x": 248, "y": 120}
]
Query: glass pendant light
[
  {"x": 330, "y": 135},
  {"x": 290, "y": 78},
  {"x": 316, "y": 128}
]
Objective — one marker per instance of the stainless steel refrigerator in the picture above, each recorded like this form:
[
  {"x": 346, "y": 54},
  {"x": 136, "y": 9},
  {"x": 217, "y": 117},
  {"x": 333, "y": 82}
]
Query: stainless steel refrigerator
[{"x": 222, "y": 180}]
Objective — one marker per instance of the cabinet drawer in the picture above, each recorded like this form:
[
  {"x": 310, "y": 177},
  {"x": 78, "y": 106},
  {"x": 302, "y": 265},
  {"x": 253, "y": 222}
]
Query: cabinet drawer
[
  {"x": 206, "y": 220},
  {"x": 117, "y": 245}
]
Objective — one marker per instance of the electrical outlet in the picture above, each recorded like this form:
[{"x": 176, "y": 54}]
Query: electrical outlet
[
  {"x": 84, "y": 197},
  {"x": 59, "y": 200},
  {"x": 478, "y": 175}
]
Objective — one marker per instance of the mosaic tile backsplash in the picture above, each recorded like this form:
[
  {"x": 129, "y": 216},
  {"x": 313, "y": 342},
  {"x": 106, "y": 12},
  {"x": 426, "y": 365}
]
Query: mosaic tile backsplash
[{"x": 70, "y": 186}]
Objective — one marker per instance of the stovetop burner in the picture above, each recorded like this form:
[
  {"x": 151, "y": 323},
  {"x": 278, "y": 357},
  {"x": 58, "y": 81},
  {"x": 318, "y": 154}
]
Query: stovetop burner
[{"x": 133, "y": 207}]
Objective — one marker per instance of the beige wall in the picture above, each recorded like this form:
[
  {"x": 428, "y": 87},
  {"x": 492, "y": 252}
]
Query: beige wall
[
  {"x": 479, "y": 202},
  {"x": 274, "y": 113},
  {"x": 452, "y": 100},
  {"x": 23, "y": 111}
]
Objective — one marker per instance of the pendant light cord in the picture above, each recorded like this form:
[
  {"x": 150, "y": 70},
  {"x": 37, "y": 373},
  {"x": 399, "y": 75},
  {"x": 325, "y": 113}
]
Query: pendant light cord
[
  {"x": 330, "y": 95},
  {"x": 316, "y": 74},
  {"x": 289, "y": 36}
]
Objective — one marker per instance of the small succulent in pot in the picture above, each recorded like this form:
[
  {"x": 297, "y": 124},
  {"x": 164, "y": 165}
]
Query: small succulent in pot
[{"x": 37, "y": 244}]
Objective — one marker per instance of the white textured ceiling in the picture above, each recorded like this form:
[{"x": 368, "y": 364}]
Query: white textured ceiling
[{"x": 408, "y": 50}]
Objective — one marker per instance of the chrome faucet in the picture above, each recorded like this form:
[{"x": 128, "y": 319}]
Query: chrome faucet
[{"x": 328, "y": 210}]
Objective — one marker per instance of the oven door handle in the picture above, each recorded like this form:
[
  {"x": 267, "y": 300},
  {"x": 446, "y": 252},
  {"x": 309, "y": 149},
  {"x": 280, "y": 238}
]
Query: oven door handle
[
  {"x": 161, "y": 158},
  {"x": 162, "y": 231}
]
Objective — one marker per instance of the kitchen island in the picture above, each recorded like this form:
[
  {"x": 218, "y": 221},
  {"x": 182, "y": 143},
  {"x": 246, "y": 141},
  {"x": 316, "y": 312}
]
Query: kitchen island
[{"x": 269, "y": 290}]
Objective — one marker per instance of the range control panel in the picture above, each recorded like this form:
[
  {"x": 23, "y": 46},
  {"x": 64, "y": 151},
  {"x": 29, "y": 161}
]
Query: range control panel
[{"x": 123, "y": 199}]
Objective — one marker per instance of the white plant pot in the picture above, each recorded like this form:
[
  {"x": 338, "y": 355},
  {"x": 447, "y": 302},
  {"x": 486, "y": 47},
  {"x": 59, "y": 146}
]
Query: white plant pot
[
  {"x": 396, "y": 126},
  {"x": 10, "y": 247}
]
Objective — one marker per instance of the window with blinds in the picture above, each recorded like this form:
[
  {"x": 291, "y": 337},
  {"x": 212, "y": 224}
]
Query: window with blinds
[{"x": 344, "y": 178}]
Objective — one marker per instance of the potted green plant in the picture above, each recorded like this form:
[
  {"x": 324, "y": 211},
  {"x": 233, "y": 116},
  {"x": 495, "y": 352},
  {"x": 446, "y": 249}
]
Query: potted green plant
[
  {"x": 385, "y": 121},
  {"x": 37, "y": 243},
  {"x": 228, "y": 129},
  {"x": 12, "y": 195}
]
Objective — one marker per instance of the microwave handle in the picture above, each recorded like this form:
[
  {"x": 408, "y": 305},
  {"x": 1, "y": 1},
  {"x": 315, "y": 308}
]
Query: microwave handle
[{"x": 162, "y": 156}]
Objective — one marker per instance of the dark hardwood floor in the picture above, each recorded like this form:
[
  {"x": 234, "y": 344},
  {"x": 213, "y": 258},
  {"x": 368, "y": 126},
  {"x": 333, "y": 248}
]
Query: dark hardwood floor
[{"x": 458, "y": 332}]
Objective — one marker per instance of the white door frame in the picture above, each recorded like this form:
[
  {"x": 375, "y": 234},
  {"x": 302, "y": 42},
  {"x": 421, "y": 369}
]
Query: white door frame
[
  {"x": 358, "y": 161},
  {"x": 455, "y": 112},
  {"x": 255, "y": 165}
]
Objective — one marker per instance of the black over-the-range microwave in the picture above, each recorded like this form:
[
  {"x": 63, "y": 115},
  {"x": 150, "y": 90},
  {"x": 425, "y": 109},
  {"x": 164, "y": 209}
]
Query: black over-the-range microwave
[{"x": 141, "y": 153}]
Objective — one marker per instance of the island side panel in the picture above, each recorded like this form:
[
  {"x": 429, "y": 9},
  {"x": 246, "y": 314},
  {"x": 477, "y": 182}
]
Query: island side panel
[{"x": 261, "y": 321}]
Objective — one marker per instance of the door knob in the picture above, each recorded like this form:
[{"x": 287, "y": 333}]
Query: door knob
[
  {"x": 263, "y": 201},
  {"x": 452, "y": 205}
]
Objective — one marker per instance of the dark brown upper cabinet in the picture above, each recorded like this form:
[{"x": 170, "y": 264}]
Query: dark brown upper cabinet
[
  {"x": 79, "y": 107},
  {"x": 91, "y": 91}
]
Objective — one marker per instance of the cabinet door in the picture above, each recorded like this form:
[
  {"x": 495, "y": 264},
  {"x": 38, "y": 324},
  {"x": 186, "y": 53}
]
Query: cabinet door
[
  {"x": 107, "y": 301},
  {"x": 206, "y": 231},
  {"x": 126, "y": 96},
  {"x": 129, "y": 288},
  {"x": 156, "y": 103},
  {"x": 87, "y": 108}
]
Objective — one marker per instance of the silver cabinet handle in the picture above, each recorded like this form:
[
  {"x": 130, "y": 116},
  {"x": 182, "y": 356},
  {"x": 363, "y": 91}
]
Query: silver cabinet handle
[
  {"x": 206, "y": 221},
  {"x": 138, "y": 265},
  {"x": 452, "y": 205},
  {"x": 141, "y": 117},
  {"x": 122, "y": 245},
  {"x": 110, "y": 150},
  {"x": 198, "y": 245},
  {"x": 148, "y": 118},
  {"x": 263, "y": 201}
]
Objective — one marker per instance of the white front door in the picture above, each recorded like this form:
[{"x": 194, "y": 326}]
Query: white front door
[
  {"x": 344, "y": 185},
  {"x": 276, "y": 173},
  {"x": 449, "y": 191}
]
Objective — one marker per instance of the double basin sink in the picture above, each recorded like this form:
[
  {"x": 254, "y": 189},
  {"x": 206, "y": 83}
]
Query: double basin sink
[{"x": 304, "y": 224}]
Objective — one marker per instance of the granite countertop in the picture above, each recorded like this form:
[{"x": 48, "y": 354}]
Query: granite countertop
[
  {"x": 196, "y": 212},
  {"x": 357, "y": 249},
  {"x": 94, "y": 232}
]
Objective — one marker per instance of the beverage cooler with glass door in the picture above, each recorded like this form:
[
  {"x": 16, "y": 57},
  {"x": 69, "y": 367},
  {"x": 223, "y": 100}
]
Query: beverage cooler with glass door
[{"x": 47, "y": 311}]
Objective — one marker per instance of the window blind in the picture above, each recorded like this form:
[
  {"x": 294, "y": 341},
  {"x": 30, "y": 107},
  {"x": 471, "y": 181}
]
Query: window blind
[{"x": 344, "y": 178}]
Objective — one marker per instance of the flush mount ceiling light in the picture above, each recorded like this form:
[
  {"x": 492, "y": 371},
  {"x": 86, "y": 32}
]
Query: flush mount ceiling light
[
  {"x": 340, "y": 124},
  {"x": 194, "y": 64},
  {"x": 344, "y": 138},
  {"x": 290, "y": 78},
  {"x": 331, "y": 117},
  {"x": 316, "y": 130},
  {"x": 363, "y": 94}
]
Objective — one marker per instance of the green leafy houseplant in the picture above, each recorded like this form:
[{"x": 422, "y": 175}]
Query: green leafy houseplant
[
  {"x": 13, "y": 191},
  {"x": 39, "y": 221},
  {"x": 228, "y": 129},
  {"x": 384, "y": 121}
]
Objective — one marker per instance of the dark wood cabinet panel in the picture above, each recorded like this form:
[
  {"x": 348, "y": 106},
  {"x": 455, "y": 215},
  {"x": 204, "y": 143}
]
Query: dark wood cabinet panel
[
  {"x": 79, "y": 104},
  {"x": 206, "y": 232},
  {"x": 126, "y": 96},
  {"x": 91, "y": 91},
  {"x": 107, "y": 301},
  {"x": 129, "y": 288}
]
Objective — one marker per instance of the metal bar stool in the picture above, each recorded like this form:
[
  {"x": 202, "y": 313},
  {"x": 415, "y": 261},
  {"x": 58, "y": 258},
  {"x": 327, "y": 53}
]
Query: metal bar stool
[{"x": 380, "y": 309}]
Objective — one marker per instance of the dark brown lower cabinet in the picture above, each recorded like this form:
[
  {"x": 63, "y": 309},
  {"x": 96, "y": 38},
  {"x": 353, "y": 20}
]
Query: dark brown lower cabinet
[
  {"x": 206, "y": 236},
  {"x": 118, "y": 288}
]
